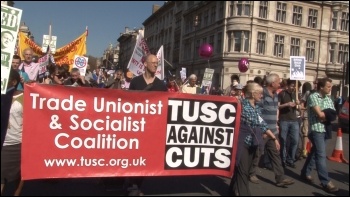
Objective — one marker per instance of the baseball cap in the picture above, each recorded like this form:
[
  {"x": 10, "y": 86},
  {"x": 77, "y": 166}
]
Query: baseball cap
[{"x": 238, "y": 87}]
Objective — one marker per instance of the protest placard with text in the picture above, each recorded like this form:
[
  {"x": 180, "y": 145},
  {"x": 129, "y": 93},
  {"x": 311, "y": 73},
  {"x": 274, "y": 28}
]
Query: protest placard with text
[
  {"x": 10, "y": 21},
  {"x": 93, "y": 132}
]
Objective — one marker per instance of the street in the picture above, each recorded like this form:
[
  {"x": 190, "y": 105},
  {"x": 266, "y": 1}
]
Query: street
[{"x": 201, "y": 185}]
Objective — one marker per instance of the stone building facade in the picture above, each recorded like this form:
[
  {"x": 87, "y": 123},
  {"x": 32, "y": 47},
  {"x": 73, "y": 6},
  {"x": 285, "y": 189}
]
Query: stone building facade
[
  {"x": 127, "y": 41},
  {"x": 265, "y": 32}
]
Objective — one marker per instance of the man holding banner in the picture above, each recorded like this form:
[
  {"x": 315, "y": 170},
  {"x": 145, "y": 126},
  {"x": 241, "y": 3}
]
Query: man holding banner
[
  {"x": 31, "y": 68},
  {"x": 148, "y": 80}
]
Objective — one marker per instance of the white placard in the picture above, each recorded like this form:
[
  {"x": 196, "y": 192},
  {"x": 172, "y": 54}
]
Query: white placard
[
  {"x": 46, "y": 40},
  {"x": 10, "y": 22},
  {"x": 80, "y": 62},
  {"x": 297, "y": 68}
]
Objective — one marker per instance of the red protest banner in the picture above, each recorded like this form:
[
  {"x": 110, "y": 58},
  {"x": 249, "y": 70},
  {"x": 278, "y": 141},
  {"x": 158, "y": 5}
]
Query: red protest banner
[{"x": 92, "y": 132}]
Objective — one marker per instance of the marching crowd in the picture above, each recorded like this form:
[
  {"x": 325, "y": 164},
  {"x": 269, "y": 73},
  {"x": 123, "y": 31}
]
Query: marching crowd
[{"x": 272, "y": 117}]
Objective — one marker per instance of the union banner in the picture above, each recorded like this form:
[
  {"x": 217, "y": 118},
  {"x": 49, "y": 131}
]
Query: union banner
[
  {"x": 92, "y": 132},
  {"x": 63, "y": 55}
]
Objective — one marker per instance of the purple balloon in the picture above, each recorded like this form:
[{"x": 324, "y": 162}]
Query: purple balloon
[
  {"x": 243, "y": 65},
  {"x": 205, "y": 51}
]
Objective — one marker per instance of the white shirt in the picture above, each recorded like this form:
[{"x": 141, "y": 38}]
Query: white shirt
[
  {"x": 14, "y": 130},
  {"x": 189, "y": 89},
  {"x": 32, "y": 70}
]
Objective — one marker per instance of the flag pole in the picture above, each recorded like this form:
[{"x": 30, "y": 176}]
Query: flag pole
[
  {"x": 168, "y": 63},
  {"x": 50, "y": 38}
]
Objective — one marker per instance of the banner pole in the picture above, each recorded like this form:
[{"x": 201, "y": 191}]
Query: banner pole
[
  {"x": 297, "y": 93},
  {"x": 168, "y": 63}
]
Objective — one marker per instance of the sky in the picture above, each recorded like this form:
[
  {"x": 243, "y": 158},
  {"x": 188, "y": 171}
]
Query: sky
[{"x": 105, "y": 20}]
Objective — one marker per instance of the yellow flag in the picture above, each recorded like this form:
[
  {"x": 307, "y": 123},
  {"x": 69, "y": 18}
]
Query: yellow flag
[{"x": 63, "y": 55}]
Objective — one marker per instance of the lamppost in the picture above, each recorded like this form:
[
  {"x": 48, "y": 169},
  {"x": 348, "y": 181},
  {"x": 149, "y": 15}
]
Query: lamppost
[{"x": 195, "y": 24}]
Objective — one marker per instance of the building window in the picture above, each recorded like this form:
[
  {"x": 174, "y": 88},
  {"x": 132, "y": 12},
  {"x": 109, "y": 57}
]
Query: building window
[
  {"x": 213, "y": 15},
  {"x": 331, "y": 52},
  {"x": 344, "y": 26},
  {"x": 279, "y": 46},
  {"x": 190, "y": 4},
  {"x": 312, "y": 22},
  {"x": 198, "y": 42},
  {"x": 343, "y": 54},
  {"x": 221, "y": 9},
  {"x": 243, "y": 8},
  {"x": 232, "y": 8},
  {"x": 334, "y": 20},
  {"x": 260, "y": 49},
  {"x": 211, "y": 41},
  {"x": 294, "y": 47},
  {"x": 178, "y": 22},
  {"x": 310, "y": 50},
  {"x": 263, "y": 9},
  {"x": 206, "y": 18},
  {"x": 204, "y": 40},
  {"x": 281, "y": 12},
  {"x": 187, "y": 51},
  {"x": 297, "y": 15},
  {"x": 239, "y": 41},
  {"x": 219, "y": 42},
  {"x": 199, "y": 24}
]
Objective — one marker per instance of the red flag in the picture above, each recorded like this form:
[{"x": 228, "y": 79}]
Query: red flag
[{"x": 87, "y": 32}]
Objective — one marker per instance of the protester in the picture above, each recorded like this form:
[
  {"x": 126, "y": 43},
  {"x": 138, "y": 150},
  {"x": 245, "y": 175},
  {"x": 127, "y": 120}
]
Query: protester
[
  {"x": 11, "y": 150},
  {"x": 234, "y": 81},
  {"x": 316, "y": 103},
  {"x": 252, "y": 127},
  {"x": 16, "y": 61},
  {"x": 289, "y": 125},
  {"x": 269, "y": 103},
  {"x": 28, "y": 66},
  {"x": 147, "y": 82},
  {"x": 219, "y": 92},
  {"x": 238, "y": 92},
  {"x": 6, "y": 100},
  {"x": 52, "y": 77},
  {"x": 115, "y": 81},
  {"x": 172, "y": 85},
  {"x": 76, "y": 79},
  {"x": 259, "y": 80},
  {"x": 307, "y": 90},
  {"x": 127, "y": 80},
  {"x": 191, "y": 87}
]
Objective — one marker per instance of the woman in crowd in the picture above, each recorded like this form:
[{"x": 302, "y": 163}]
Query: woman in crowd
[
  {"x": 171, "y": 85},
  {"x": 252, "y": 128},
  {"x": 11, "y": 151}
]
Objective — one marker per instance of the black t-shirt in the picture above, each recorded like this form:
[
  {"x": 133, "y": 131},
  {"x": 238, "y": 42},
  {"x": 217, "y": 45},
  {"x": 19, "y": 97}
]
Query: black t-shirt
[
  {"x": 139, "y": 83},
  {"x": 287, "y": 113}
]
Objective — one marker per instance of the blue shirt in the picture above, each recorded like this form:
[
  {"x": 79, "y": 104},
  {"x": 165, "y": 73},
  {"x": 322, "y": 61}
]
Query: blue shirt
[
  {"x": 25, "y": 77},
  {"x": 269, "y": 109},
  {"x": 251, "y": 117}
]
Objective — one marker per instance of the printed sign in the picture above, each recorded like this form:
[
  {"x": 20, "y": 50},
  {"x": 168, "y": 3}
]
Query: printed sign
[
  {"x": 10, "y": 22},
  {"x": 297, "y": 67},
  {"x": 96, "y": 132},
  {"x": 136, "y": 61},
  {"x": 46, "y": 42},
  {"x": 207, "y": 80},
  {"x": 80, "y": 62},
  {"x": 183, "y": 74}
]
